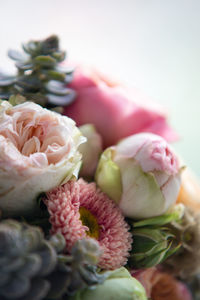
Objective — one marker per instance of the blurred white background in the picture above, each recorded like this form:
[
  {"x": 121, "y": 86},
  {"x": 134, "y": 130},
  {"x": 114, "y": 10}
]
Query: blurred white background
[{"x": 151, "y": 44}]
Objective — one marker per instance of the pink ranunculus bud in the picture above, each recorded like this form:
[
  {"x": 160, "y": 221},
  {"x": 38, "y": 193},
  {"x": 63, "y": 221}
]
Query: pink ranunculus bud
[
  {"x": 115, "y": 110},
  {"x": 38, "y": 151},
  {"x": 142, "y": 174}
]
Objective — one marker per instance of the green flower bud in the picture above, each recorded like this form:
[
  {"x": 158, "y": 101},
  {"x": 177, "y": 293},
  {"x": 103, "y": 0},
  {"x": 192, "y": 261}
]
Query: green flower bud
[
  {"x": 119, "y": 285},
  {"x": 90, "y": 150},
  {"x": 150, "y": 247},
  {"x": 108, "y": 175},
  {"x": 153, "y": 243}
]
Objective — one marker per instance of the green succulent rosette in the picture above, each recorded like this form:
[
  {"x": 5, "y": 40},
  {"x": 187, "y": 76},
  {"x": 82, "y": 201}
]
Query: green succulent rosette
[
  {"x": 34, "y": 268},
  {"x": 40, "y": 76}
]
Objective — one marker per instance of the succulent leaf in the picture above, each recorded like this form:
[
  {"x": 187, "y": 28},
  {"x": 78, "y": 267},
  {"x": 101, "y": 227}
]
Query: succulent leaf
[
  {"x": 16, "y": 55},
  {"x": 37, "y": 67},
  {"x": 32, "y": 268}
]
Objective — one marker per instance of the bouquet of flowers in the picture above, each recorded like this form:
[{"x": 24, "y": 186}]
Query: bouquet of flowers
[{"x": 94, "y": 202}]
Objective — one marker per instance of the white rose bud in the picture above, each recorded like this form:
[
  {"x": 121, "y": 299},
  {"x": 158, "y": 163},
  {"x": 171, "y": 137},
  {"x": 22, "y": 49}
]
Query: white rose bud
[
  {"x": 141, "y": 174},
  {"x": 38, "y": 151},
  {"x": 90, "y": 150}
]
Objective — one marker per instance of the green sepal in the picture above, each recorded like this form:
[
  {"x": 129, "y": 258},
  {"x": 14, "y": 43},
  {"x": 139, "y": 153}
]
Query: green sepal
[
  {"x": 151, "y": 247},
  {"x": 108, "y": 175},
  {"x": 167, "y": 218}
]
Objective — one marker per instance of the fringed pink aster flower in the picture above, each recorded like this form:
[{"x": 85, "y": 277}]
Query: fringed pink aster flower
[{"x": 78, "y": 209}]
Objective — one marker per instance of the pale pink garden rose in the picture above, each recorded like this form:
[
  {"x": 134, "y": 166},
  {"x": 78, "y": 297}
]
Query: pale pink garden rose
[
  {"x": 161, "y": 286},
  {"x": 115, "y": 110},
  {"x": 142, "y": 175},
  {"x": 38, "y": 151}
]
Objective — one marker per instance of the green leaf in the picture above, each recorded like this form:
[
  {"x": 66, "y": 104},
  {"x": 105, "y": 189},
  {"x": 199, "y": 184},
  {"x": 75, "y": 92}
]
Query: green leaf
[
  {"x": 29, "y": 83},
  {"x": 175, "y": 215},
  {"x": 49, "y": 45},
  {"x": 17, "y": 288},
  {"x": 61, "y": 100},
  {"x": 55, "y": 75},
  {"x": 7, "y": 80},
  {"x": 64, "y": 69},
  {"x": 38, "y": 290},
  {"x": 45, "y": 61},
  {"x": 38, "y": 98},
  {"x": 31, "y": 48},
  {"x": 16, "y": 99},
  {"x": 142, "y": 244},
  {"x": 16, "y": 55},
  {"x": 150, "y": 246},
  {"x": 25, "y": 65},
  {"x": 57, "y": 88},
  {"x": 108, "y": 175},
  {"x": 59, "y": 56},
  {"x": 171, "y": 251}
]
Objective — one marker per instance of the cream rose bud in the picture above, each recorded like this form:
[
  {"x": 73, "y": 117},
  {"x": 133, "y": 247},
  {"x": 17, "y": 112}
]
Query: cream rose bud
[
  {"x": 142, "y": 174},
  {"x": 38, "y": 151},
  {"x": 90, "y": 150},
  {"x": 119, "y": 285}
]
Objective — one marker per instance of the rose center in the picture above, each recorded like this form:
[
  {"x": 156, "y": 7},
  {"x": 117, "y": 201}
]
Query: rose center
[{"x": 89, "y": 220}]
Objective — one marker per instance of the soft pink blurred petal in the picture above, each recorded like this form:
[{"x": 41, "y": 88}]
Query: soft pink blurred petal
[{"x": 115, "y": 111}]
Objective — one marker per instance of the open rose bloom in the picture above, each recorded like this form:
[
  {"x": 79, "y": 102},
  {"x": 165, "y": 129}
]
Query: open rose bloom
[{"x": 38, "y": 151}]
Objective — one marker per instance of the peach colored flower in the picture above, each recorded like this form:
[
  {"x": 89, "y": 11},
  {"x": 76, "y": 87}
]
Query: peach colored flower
[
  {"x": 38, "y": 151},
  {"x": 116, "y": 111},
  {"x": 161, "y": 286},
  {"x": 78, "y": 209},
  {"x": 190, "y": 191}
]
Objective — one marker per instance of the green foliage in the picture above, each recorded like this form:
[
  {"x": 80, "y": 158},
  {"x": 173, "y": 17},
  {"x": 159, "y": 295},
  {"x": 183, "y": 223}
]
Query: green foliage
[
  {"x": 40, "y": 77},
  {"x": 153, "y": 242},
  {"x": 34, "y": 268}
]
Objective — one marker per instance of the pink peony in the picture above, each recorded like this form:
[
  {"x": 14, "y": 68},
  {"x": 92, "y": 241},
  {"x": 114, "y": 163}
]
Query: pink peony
[
  {"x": 115, "y": 111},
  {"x": 161, "y": 286},
  {"x": 78, "y": 209},
  {"x": 38, "y": 151}
]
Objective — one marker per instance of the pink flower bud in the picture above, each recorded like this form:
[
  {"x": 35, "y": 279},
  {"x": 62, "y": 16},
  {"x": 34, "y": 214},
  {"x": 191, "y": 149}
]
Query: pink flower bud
[{"x": 147, "y": 175}]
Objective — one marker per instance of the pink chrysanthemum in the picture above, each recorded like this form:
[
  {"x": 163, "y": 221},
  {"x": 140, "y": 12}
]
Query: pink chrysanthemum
[{"x": 78, "y": 209}]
